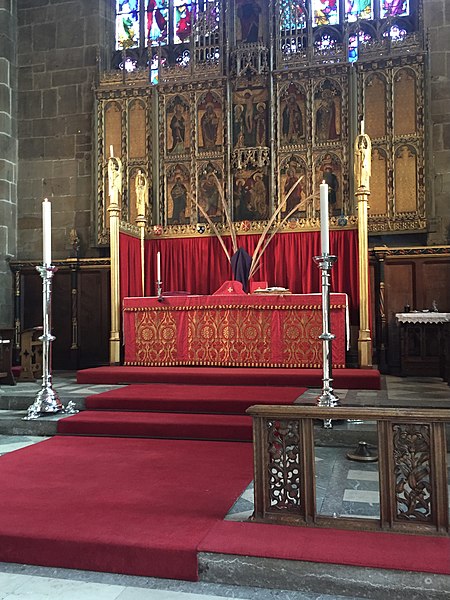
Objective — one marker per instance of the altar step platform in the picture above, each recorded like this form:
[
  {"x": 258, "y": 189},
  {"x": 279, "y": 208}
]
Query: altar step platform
[
  {"x": 364, "y": 379},
  {"x": 171, "y": 411}
]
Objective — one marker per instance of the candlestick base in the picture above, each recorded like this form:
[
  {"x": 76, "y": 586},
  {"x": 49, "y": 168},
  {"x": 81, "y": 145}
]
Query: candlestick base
[
  {"x": 159, "y": 290},
  {"x": 47, "y": 402}
]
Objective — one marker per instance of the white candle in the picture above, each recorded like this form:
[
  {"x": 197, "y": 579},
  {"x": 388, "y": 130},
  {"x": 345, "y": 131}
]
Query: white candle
[
  {"x": 158, "y": 266},
  {"x": 47, "y": 231},
  {"x": 111, "y": 151},
  {"x": 362, "y": 126},
  {"x": 324, "y": 228}
]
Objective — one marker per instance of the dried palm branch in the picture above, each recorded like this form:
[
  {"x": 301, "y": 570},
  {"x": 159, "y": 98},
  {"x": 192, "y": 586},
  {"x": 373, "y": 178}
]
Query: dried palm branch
[
  {"x": 214, "y": 228},
  {"x": 256, "y": 259},
  {"x": 226, "y": 210},
  {"x": 271, "y": 221}
]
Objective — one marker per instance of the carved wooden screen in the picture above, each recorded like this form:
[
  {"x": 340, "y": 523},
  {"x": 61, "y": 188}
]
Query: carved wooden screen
[
  {"x": 392, "y": 102},
  {"x": 261, "y": 102},
  {"x": 124, "y": 126}
]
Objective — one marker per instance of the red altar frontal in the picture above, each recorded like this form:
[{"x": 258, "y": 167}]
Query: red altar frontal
[{"x": 237, "y": 331}]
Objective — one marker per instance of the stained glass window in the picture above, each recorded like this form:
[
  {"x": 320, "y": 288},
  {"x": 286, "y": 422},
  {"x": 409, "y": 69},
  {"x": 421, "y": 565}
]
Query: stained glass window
[
  {"x": 358, "y": 9},
  {"x": 394, "y": 8},
  {"x": 127, "y": 24},
  {"x": 157, "y": 22},
  {"x": 182, "y": 14},
  {"x": 396, "y": 33},
  {"x": 354, "y": 42},
  {"x": 325, "y": 12},
  {"x": 293, "y": 15}
]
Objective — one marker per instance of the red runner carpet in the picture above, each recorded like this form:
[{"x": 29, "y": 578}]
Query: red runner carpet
[
  {"x": 365, "y": 379},
  {"x": 138, "y": 507}
]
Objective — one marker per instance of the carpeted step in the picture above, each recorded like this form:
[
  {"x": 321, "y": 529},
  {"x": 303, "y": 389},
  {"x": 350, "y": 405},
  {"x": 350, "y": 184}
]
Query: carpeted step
[
  {"x": 365, "y": 379},
  {"x": 158, "y": 425},
  {"x": 138, "y": 507},
  {"x": 166, "y": 397}
]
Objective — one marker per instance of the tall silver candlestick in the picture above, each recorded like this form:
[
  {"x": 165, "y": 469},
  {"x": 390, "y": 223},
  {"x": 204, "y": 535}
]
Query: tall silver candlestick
[
  {"x": 328, "y": 397},
  {"x": 47, "y": 400}
]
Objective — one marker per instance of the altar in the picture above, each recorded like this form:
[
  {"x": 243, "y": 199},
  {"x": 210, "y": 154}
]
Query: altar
[{"x": 238, "y": 331}]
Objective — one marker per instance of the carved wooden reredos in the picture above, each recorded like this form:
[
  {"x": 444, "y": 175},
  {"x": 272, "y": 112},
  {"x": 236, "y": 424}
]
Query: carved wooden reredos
[{"x": 254, "y": 99}]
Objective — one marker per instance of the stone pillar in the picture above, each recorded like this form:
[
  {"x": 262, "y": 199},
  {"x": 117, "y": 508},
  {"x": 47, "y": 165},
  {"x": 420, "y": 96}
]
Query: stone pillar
[
  {"x": 437, "y": 23},
  {"x": 8, "y": 156}
]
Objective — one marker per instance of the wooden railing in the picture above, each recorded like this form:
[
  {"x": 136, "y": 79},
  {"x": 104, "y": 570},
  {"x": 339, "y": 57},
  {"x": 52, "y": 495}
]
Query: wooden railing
[{"x": 412, "y": 468}]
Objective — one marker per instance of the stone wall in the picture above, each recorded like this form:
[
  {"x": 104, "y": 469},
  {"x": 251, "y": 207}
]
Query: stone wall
[
  {"x": 437, "y": 23},
  {"x": 8, "y": 156},
  {"x": 60, "y": 46}
]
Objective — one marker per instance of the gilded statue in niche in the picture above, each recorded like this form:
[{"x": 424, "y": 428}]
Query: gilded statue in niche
[
  {"x": 292, "y": 186},
  {"x": 209, "y": 193},
  {"x": 250, "y": 195},
  {"x": 178, "y": 126},
  {"x": 292, "y": 110},
  {"x": 327, "y": 115},
  {"x": 248, "y": 21},
  {"x": 141, "y": 191},
  {"x": 250, "y": 118},
  {"x": 178, "y": 194},
  {"x": 210, "y": 120},
  {"x": 329, "y": 170}
]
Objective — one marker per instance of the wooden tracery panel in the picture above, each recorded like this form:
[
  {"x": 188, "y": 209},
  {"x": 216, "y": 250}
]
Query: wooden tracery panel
[
  {"x": 137, "y": 130},
  {"x": 376, "y": 107},
  {"x": 405, "y": 102}
]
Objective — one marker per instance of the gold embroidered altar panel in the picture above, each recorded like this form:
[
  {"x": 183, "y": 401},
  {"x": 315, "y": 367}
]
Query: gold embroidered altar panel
[{"x": 219, "y": 331}]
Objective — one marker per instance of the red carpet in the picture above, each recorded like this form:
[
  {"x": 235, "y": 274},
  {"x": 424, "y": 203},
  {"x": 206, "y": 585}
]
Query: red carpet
[
  {"x": 138, "y": 507},
  {"x": 166, "y": 397},
  {"x": 365, "y": 379},
  {"x": 426, "y": 554},
  {"x": 159, "y": 425}
]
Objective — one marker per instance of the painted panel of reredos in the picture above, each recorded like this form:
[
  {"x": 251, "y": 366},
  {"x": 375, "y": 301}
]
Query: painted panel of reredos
[
  {"x": 178, "y": 207},
  {"x": 328, "y": 168},
  {"x": 292, "y": 115},
  {"x": 250, "y": 194},
  {"x": 178, "y": 126},
  {"x": 375, "y": 106},
  {"x": 378, "y": 200},
  {"x": 137, "y": 133},
  {"x": 293, "y": 188},
  {"x": 405, "y": 109},
  {"x": 210, "y": 123},
  {"x": 250, "y": 117},
  {"x": 327, "y": 112},
  {"x": 405, "y": 181},
  {"x": 210, "y": 192}
]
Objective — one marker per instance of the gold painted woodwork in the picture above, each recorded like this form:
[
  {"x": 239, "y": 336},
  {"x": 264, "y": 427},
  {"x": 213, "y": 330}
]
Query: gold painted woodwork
[
  {"x": 405, "y": 105},
  {"x": 137, "y": 147},
  {"x": 375, "y": 105}
]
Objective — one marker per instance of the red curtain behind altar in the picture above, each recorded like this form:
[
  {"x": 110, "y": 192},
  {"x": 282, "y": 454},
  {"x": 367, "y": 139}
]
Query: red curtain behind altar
[{"x": 199, "y": 265}]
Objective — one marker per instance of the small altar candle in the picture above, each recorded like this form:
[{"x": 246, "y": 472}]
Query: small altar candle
[
  {"x": 47, "y": 231},
  {"x": 324, "y": 229},
  {"x": 362, "y": 126},
  {"x": 111, "y": 151},
  {"x": 158, "y": 266}
]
